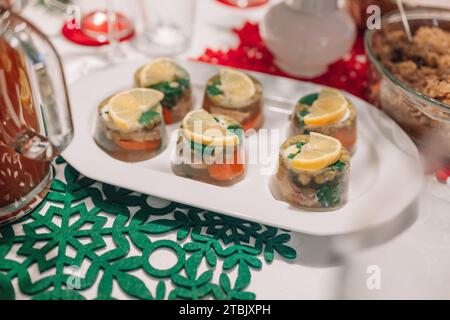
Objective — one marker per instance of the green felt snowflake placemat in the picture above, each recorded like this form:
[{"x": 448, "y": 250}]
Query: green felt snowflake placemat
[{"x": 93, "y": 240}]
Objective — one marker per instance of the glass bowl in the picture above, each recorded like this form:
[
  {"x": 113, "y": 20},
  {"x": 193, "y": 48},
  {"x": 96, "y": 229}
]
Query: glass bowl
[{"x": 425, "y": 120}]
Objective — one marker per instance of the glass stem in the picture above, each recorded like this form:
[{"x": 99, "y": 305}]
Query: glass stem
[{"x": 113, "y": 51}]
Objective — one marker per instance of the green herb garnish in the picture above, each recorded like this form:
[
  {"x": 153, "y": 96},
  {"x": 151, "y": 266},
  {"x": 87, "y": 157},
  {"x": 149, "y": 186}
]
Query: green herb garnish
[
  {"x": 201, "y": 148},
  {"x": 234, "y": 127},
  {"x": 299, "y": 146},
  {"x": 339, "y": 165},
  {"x": 213, "y": 90},
  {"x": 184, "y": 82},
  {"x": 197, "y": 147},
  {"x": 329, "y": 195},
  {"x": 237, "y": 130},
  {"x": 173, "y": 91},
  {"x": 301, "y": 115},
  {"x": 309, "y": 99},
  {"x": 148, "y": 117}
]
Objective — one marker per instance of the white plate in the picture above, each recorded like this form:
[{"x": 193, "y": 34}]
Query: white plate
[{"x": 385, "y": 171}]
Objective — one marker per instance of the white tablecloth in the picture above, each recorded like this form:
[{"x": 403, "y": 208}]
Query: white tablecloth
[{"x": 414, "y": 264}]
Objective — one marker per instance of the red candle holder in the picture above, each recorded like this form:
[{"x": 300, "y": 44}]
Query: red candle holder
[{"x": 243, "y": 3}]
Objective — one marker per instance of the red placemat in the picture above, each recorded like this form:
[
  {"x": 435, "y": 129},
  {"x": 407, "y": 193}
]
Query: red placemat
[
  {"x": 349, "y": 73},
  {"x": 75, "y": 35}
]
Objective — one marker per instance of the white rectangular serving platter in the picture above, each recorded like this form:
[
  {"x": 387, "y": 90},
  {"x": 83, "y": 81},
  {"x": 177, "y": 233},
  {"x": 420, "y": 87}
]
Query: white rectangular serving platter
[{"x": 385, "y": 170}]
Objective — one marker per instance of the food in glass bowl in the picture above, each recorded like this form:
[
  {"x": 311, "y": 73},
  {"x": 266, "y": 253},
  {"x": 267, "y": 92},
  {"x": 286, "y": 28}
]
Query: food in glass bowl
[
  {"x": 130, "y": 125},
  {"x": 328, "y": 112},
  {"x": 210, "y": 148},
  {"x": 237, "y": 95},
  {"x": 165, "y": 75},
  {"x": 313, "y": 173},
  {"x": 410, "y": 81}
]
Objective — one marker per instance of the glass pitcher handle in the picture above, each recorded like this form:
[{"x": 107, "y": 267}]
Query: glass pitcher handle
[{"x": 48, "y": 82}]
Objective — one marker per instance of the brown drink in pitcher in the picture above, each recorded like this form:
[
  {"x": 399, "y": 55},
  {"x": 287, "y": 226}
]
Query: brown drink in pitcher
[
  {"x": 21, "y": 178},
  {"x": 35, "y": 123}
]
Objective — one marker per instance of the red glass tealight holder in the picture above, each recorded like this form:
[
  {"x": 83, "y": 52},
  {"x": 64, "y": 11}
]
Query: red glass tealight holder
[
  {"x": 244, "y": 3},
  {"x": 96, "y": 25}
]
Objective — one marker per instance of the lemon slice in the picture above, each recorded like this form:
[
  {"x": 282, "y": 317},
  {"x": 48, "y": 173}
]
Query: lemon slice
[
  {"x": 157, "y": 71},
  {"x": 320, "y": 152},
  {"x": 329, "y": 108},
  {"x": 200, "y": 127},
  {"x": 236, "y": 84},
  {"x": 329, "y": 92},
  {"x": 126, "y": 108}
]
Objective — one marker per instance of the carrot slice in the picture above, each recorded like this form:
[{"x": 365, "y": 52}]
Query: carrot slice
[
  {"x": 167, "y": 116},
  {"x": 253, "y": 123},
  {"x": 226, "y": 171},
  {"x": 347, "y": 137},
  {"x": 139, "y": 146}
]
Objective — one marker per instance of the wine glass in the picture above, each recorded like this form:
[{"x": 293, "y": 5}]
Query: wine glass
[{"x": 165, "y": 31}]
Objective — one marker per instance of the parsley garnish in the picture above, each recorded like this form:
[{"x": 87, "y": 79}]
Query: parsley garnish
[
  {"x": 339, "y": 165},
  {"x": 237, "y": 130},
  {"x": 148, "y": 117},
  {"x": 172, "y": 93},
  {"x": 201, "y": 148},
  {"x": 299, "y": 147},
  {"x": 234, "y": 127},
  {"x": 309, "y": 99},
  {"x": 329, "y": 195},
  {"x": 301, "y": 115},
  {"x": 213, "y": 89}
]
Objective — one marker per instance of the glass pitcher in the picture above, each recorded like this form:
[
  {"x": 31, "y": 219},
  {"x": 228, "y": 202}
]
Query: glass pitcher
[{"x": 35, "y": 119}]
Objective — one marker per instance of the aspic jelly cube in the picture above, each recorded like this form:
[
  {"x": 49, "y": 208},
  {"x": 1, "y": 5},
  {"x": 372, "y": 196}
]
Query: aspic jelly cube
[
  {"x": 130, "y": 125},
  {"x": 210, "y": 148},
  {"x": 313, "y": 173}
]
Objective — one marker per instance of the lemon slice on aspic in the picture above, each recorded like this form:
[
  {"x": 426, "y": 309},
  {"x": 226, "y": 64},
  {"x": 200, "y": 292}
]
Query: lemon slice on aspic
[
  {"x": 237, "y": 85},
  {"x": 126, "y": 108},
  {"x": 200, "y": 127},
  {"x": 329, "y": 108},
  {"x": 320, "y": 152},
  {"x": 157, "y": 71}
]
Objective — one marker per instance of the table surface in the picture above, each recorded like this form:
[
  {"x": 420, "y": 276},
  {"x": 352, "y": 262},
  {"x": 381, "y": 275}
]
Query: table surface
[{"x": 411, "y": 265}]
